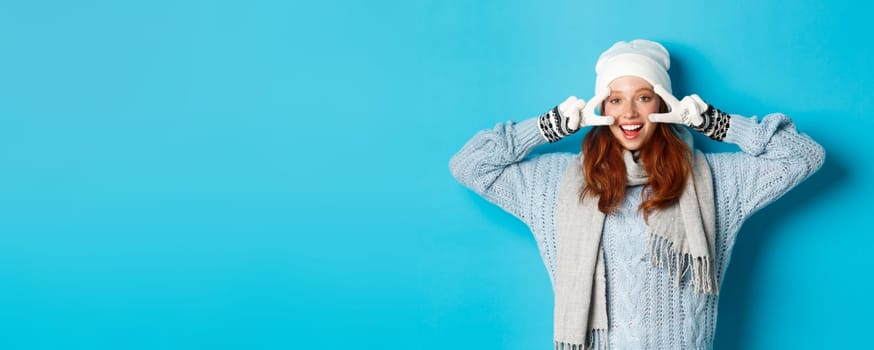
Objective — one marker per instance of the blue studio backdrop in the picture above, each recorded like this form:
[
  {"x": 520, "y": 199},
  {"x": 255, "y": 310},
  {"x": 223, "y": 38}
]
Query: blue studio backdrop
[{"x": 274, "y": 175}]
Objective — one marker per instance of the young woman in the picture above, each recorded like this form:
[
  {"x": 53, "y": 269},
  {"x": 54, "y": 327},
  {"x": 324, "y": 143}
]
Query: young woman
[{"x": 637, "y": 229}]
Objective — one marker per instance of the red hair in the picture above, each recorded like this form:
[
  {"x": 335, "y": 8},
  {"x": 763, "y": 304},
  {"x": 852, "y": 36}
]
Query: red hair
[{"x": 665, "y": 157}]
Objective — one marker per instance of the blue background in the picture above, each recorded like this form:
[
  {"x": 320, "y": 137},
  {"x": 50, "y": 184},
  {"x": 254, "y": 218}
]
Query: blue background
[{"x": 274, "y": 175}]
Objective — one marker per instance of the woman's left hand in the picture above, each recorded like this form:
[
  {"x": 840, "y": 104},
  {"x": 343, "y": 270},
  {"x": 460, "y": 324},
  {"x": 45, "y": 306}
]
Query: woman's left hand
[
  {"x": 693, "y": 112},
  {"x": 687, "y": 112}
]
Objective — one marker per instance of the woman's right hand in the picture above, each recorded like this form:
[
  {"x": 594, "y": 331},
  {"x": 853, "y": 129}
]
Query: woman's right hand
[
  {"x": 590, "y": 118},
  {"x": 567, "y": 118}
]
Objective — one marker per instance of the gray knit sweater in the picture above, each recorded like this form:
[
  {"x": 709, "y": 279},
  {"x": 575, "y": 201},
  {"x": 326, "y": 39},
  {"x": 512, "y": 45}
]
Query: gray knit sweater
[{"x": 645, "y": 309}]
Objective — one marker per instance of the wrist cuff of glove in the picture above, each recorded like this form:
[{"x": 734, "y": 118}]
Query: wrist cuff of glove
[
  {"x": 715, "y": 124},
  {"x": 553, "y": 126}
]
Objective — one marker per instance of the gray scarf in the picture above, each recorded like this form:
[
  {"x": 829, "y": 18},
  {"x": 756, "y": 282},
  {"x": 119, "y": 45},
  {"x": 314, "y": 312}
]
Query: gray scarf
[{"x": 681, "y": 239}]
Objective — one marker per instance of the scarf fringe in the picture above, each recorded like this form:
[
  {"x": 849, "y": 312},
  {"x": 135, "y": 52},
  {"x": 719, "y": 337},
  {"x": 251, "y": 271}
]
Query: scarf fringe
[
  {"x": 595, "y": 340},
  {"x": 663, "y": 253}
]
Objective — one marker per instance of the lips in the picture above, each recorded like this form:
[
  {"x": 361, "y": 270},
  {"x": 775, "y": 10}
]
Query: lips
[{"x": 630, "y": 131}]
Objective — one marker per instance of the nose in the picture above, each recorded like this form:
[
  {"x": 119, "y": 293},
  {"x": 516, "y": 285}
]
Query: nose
[{"x": 628, "y": 111}]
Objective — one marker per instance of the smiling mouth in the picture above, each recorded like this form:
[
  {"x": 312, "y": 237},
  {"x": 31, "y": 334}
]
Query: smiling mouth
[{"x": 631, "y": 131}]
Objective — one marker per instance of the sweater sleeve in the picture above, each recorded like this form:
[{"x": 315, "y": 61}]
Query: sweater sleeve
[
  {"x": 493, "y": 164},
  {"x": 774, "y": 159}
]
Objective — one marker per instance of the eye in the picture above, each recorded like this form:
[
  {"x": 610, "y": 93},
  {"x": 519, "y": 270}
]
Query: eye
[
  {"x": 645, "y": 98},
  {"x": 613, "y": 100}
]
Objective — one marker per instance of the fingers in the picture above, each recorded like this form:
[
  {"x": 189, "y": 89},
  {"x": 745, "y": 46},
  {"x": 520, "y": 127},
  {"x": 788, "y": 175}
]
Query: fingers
[
  {"x": 663, "y": 118},
  {"x": 580, "y": 104},
  {"x": 570, "y": 114},
  {"x": 596, "y": 100},
  {"x": 574, "y": 118},
  {"x": 691, "y": 114},
  {"x": 699, "y": 103},
  {"x": 569, "y": 105},
  {"x": 689, "y": 104},
  {"x": 665, "y": 95},
  {"x": 600, "y": 120},
  {"x": 589, "y": 116},
  {"x": 679, "y": 111},
  {"x": 568, "y": 102},
  {"x": 599, "y": 98}
]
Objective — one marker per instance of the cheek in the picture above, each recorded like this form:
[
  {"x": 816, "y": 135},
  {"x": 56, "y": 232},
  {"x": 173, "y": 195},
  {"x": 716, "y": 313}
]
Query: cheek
[
  {"x": 616, "y": 131},
  {"x": 650, "y": 108}
]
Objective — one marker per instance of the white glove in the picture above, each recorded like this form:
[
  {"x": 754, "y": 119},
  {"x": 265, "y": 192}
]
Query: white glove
[
  {"x": 562, "y": 120},
  {"x": 589, "y": 116},
  {"x": 693, "y": 112},
  {"x": 571, "y": 109},
  {"x": 687, "y": 112}
]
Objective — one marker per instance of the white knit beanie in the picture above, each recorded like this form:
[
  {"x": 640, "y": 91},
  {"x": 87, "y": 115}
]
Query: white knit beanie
[{"x": 645, "y": 59}]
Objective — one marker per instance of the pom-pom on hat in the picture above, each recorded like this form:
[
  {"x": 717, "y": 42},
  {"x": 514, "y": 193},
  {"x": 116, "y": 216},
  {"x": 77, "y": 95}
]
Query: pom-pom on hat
[{"x": 645, "y": 59}]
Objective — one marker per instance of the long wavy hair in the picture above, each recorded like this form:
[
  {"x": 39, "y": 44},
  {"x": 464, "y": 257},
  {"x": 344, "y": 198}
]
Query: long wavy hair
[{"x": 665, "y": 157}]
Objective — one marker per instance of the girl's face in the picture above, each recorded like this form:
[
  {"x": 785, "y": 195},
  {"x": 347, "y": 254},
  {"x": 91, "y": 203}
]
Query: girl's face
[{"x": 631, "y": 101}]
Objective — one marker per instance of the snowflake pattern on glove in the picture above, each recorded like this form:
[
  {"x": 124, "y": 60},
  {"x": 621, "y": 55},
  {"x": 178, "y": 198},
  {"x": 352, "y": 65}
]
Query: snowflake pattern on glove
[
  {"x": 715, "y": 124},
  {"x": 553, "y": 126}
]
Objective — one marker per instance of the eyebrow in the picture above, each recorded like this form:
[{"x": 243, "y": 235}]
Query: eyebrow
[{"x": 635, "y": 91}]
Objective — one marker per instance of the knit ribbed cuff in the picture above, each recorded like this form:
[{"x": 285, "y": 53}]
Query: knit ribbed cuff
[
  {"x": 742, "y": 132},
  {"x": 528, "y": 134},
  {"x": 741, "y": 129}
]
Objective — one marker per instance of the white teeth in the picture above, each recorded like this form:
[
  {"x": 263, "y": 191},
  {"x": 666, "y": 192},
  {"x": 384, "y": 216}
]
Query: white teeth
[{"x": 632, "y": 127}]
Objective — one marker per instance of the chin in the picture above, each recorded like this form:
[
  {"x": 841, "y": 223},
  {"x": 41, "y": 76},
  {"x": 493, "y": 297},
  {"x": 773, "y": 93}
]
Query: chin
[{"x": 632, "y": 146}]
